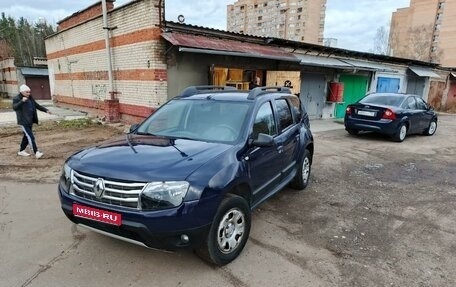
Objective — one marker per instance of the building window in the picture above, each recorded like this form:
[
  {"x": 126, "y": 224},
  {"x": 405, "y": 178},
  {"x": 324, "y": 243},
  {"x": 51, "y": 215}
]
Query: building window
[
  {"x": 299, "y": 9},
  {"x": 441, "y": 5},
  {"x": 259, "y": 24},
  {"x": 255, "y": 6},
  {"x": 265, "y": 4},
  {"x": 242, "y": 7},
  {"x": 260, "y": 18}
]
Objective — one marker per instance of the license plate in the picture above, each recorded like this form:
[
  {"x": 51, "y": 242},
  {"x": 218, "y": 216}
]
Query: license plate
[
  {"x": 97, "y": 214},
  {"x": 366, "y": 113}
]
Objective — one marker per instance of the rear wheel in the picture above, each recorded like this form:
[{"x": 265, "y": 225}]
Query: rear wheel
[
  {"x": 431, "y": 129},
  {"x": 400, "y": 133},
  {"x": 229, "y": 231},
  {"x": 301, "y": 178},
  {"x": 353, "y": 132}
]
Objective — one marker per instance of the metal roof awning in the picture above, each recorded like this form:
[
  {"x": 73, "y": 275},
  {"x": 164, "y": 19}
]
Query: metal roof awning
[
  {"x": 319, "y": 61},
  {"x": 369, "y": 66},
  {"x": 216, "y": 46},
  {"x": 423, "y": 72},
  {"x": 34, "y": 72}
]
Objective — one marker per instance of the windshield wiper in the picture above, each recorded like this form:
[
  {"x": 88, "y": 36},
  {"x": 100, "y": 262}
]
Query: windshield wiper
[
  {"x": 173, "y": 144},
  {"x": 129, "y": 143},
  {"x": 145, "y": 134}
]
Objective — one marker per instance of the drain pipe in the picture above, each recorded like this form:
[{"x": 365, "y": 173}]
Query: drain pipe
[{"x": 108, "y": 49}]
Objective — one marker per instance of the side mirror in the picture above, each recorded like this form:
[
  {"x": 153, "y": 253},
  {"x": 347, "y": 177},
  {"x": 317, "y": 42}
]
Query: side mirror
[
  {"x": 133, "y": 127},
  {"x": 263, "y": 140}
]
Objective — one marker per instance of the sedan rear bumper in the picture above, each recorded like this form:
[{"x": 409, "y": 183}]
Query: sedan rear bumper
[{"x": 384, "y": 126}]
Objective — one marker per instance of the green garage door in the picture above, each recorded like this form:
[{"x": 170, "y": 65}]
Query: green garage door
[{"x": 355, "y": 87}]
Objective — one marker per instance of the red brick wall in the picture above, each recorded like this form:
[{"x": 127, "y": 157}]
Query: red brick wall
[{"x": 90, "y": 12}]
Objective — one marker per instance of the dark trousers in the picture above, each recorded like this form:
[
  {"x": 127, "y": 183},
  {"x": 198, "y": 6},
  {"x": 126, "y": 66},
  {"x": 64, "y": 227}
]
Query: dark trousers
[{"x": 28, "y": 138}]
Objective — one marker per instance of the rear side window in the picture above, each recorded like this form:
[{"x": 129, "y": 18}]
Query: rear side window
[
  {"x": 296, "y": 105},
  {"x": 420, "y": 104},
  {"x": 264, "y": 121},
  {"x": 410, "y": 103},
  {"x": 284, "y": 113}
]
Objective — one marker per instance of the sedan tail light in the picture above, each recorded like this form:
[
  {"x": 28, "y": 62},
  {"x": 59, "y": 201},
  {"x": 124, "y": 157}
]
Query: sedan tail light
[
  {"x": 348, "y": 110},
  {"x": 389, "y": 115}
]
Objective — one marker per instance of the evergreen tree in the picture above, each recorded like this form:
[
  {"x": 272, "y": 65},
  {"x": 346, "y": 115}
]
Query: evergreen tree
[{"x": 22, "y": 40}]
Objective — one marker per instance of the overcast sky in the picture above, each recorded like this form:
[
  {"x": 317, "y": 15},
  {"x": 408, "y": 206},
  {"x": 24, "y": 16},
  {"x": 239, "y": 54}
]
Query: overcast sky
[{"x": 352, "y": 23}]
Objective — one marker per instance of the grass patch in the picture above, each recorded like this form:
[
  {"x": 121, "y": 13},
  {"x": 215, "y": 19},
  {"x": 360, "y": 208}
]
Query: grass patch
[
  {"x": 6, "y": 104},
  {"x": 78, "y": 123}
]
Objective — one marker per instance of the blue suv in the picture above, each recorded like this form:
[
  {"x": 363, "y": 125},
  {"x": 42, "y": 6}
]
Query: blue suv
[{"x": 191, "y": 173}]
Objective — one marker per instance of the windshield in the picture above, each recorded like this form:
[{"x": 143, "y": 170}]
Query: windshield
[
  {"x": 204, "y": 120},
  {"x": 382, "y": 99}
]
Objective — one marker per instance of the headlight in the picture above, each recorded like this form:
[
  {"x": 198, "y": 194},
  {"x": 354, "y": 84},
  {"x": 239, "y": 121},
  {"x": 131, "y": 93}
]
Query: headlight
[
  {"x": 65, "y": 178},
  {"x": 161, "y": 195}
]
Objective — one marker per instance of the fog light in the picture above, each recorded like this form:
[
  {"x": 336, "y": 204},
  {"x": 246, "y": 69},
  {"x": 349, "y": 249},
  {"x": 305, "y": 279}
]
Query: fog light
[{"x": 184, "y": 238}]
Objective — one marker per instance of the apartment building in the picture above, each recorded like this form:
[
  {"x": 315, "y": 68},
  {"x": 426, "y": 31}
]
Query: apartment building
[
  {"x": 425, "y": 31},
  {"x": 297, "y": 20}
]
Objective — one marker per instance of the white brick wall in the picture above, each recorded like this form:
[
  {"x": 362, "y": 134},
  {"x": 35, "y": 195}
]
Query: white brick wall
[{"x": 142, "y": 55}]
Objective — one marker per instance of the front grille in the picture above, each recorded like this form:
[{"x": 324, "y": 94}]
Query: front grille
[{"x": 119, "y": 193}]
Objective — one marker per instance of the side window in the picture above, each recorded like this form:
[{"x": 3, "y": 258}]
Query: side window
[
  {"x": 410, "y": 103},
  {"x": 296, "y": 104},
  {"x": 420, "y": 104},
  {"x": 264, "y": 121},
  {"x": 283, "y": 110}
]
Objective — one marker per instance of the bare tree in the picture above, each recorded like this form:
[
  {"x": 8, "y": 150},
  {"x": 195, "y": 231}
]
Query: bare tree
[{"x": 381, "y": 45}]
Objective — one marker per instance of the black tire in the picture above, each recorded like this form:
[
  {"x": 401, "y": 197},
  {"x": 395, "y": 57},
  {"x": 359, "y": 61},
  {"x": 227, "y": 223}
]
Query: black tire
[
  {"x": 301, "y": 179},
  {"x": 432, "y": 128},
  {"x": 229, "y": 232},
  {"x": 353, "y": 132},
  {"x": 401, "y": 133}
]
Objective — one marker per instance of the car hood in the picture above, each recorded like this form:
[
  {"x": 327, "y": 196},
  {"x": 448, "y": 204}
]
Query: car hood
[{"x": 145, "y": 158}]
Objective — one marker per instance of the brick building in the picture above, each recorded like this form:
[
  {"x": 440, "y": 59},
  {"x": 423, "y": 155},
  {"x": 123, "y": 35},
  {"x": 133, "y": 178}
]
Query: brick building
[
  {"x": 297, "y": 20},
  {"x": 78, "y": 67},
  {"x": 425, "y": 31},
  {"x": 153, "y": 60}
]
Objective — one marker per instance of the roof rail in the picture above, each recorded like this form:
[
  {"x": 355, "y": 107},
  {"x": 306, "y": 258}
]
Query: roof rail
[
  {"x": 194, "y": 90},
  {"x": 264, "y": 90}
]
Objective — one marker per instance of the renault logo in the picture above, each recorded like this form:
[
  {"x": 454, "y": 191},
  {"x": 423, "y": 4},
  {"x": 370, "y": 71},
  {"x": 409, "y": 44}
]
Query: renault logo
[{"x": 99, "y": 188}]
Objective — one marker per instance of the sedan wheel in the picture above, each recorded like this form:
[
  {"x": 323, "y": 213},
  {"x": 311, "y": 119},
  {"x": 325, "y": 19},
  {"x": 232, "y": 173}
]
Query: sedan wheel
[
  {"x": 401, "y": 133},
  {"x": 432, "y": 128}
]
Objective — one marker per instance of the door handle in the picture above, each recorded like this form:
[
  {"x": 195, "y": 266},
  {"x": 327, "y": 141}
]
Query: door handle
[{"x": 280, "y": 149}]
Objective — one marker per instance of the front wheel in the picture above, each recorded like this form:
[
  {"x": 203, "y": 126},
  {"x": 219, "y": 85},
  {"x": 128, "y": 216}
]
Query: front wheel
[
  {"x": 400, "y": 133},
  {"x": 229, "y": 231},
  {"x": 431, "y": 128},
  {"x": 301, "y": 178}
]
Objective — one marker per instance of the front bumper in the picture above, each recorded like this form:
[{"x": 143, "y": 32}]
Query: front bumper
[{"x": 162, "y": 229}]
